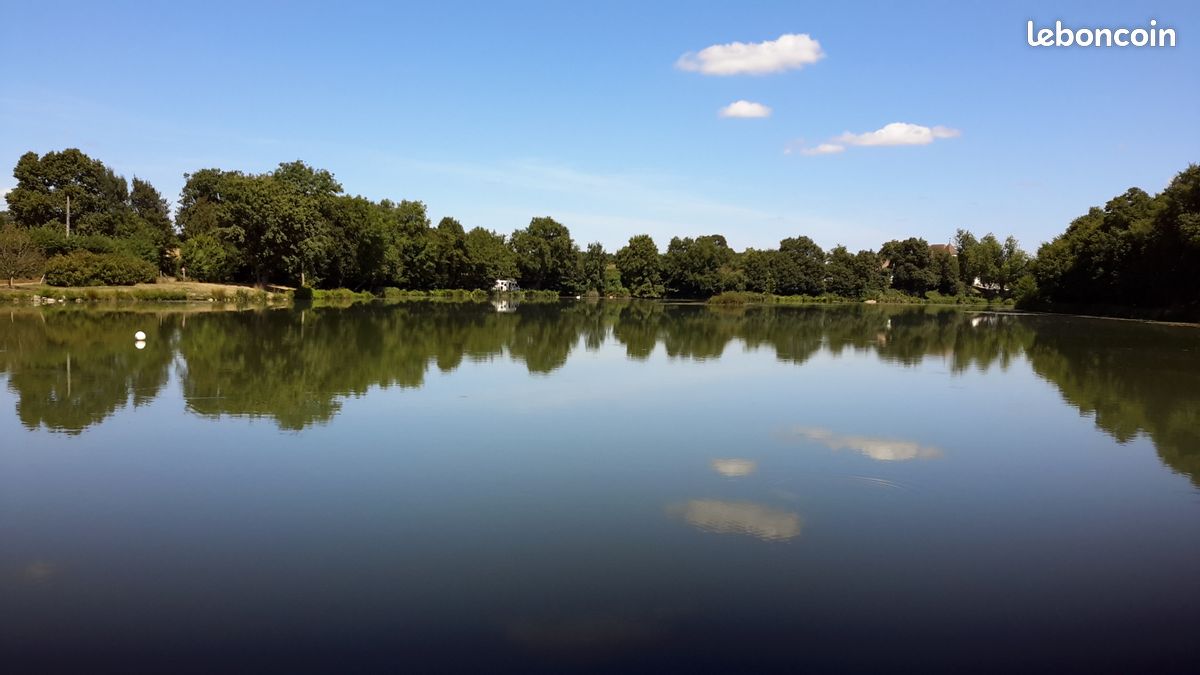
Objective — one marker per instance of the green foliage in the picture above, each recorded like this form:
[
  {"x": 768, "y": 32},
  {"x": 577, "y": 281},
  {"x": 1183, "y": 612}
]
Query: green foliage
[
  {"x": 640, "y": 268},
  {"x": 593, "y": 264},
  {"x": 101, "y": 205},
  {"x": 853, "y": 276},
  {"x": 1138, "y": 251},
  {"x": 698, "y": 268},
  {"x": 205, "y": 257},
  {"x": 20, "y": 256},
  {"x": 545, "y": 255},
  {"x": 759, "y": 269},
  {"x": 911, "y": 264},
  {"x": 294, "y": 225},
  {"x": 800, "y": 267},
  {"x": 489, "y": 258},
  {"x": 84, "y": 268},
  {"x": 738, "y": 298}
]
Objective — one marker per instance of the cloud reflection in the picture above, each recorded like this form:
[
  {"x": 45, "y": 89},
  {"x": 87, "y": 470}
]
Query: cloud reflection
[
  {"x": 881, "y": 449},
  {"x": 756, "y": 520},
  {"x": 734, "y": 467}
]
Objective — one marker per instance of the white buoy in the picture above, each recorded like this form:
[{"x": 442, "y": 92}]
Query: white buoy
[
  {"x": 139, "y": 335},
  {"x": 140, "y": 344}
]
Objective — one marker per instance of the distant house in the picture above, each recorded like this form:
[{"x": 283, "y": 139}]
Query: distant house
[
  {"x": 506, "y": 285},
  {"x": 943, "y": 248}
]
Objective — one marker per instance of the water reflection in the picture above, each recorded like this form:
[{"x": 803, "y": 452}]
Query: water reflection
[
  {"x": 734, "y": 468},
  {"x": 72, "y": 368},
  {"x": 881, "y": 449},
  {"x": 723, "y": 517}
]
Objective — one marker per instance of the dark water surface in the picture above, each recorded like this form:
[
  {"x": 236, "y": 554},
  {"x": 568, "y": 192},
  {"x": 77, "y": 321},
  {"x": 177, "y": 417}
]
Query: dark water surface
[{"x": 433, "y": 487}]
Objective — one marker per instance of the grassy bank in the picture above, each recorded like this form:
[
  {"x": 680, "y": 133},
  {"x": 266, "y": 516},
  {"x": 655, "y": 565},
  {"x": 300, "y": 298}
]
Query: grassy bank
[
  {"x": 167, "y": 291},
  {"x": 196, "y": 292},
  {"x": 885, "y": 298}
]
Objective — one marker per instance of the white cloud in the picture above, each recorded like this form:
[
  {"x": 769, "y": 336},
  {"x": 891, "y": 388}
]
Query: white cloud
[
  {"x": 745, "y": 109},
  {"x": 896, "y": 133},
  {"x": 789, "y": 52},
  {"x": 899, "y": 133},
  {"x": 823, "y": 149}
]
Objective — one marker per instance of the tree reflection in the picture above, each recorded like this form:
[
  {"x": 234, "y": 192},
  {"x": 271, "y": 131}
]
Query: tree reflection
[
  {"x": 1140, "y": 378},
  {"x": 72, "y": 368}
]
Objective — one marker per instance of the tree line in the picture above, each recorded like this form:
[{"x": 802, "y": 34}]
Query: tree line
[{"x": 297, "y": 226}]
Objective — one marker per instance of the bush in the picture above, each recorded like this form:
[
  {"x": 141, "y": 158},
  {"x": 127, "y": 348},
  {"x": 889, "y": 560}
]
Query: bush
[
  {"x": 303, "y": 294},
  {"x": 207, "y": 258},
  {"x": 51, "y": 239},
  {"x": 84, "y": 268},
  {"x": 737, "y": 298}
]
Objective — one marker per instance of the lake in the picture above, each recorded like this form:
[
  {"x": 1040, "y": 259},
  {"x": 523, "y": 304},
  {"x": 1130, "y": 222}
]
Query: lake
[{"x": 620, "y": 487}]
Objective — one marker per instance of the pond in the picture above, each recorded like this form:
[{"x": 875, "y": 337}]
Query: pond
[{"x": 596, "y": 487}]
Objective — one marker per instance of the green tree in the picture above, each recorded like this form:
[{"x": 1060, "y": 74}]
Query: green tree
[
  {"x": 946, "y": 269},
  {"x": 155, "y": 222},
  {"x": 594, "y": 264},
  {"x": 801, "y": 267},
  {"x": 20, "y": 256},
  {"x": 842, "y": 276},
  {"x": 965, "y": 244},
  {"x": 98, "y": 197},
  {"x": 488, "y": 258},
  {"x": 206, "y": 257},
  {"x": 869, "y": 268},
  {"x": 759, "y": 268},
  {"x": 545, "y": 254},
  {"x": 640, "y": 267},
  {"x": 697, "y": 268},
  {"x": 911, "y": 264},
  {"x": 448, "y": 255}
]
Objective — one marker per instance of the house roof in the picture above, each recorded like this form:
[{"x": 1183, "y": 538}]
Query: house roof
[{"x": 940, "y": 248}]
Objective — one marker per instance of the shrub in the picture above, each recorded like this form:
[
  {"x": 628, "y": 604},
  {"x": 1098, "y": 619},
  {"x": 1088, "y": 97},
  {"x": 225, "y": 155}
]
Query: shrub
[
  {"x": 303, "y": 294},
  {"x": 207, "y": 258},
  {"x": 737, "y": 298},
  {"x": 84, "y": 268}
]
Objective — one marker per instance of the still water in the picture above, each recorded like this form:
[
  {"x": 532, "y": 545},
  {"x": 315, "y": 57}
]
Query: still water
[{"x": 606, "y": 487}]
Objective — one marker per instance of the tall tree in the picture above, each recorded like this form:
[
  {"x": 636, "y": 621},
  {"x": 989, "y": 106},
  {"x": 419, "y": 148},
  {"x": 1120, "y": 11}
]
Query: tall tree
[
  {"x": 151, "y": 209},
  {"x": 911, "y": 265},
  {"x": 697, "y": 268},
  {"x": 640, "y": 267},
  {"x": 98, "y": 197},
  {"x": 801, "y": 267},
  {"x": 594, "y": 263},
  {"x": 759, "y": 268},
  {"x": 448, "y": 254},
  {"x": 545, "y": 254},
  {"x": 489, "y": 258}
]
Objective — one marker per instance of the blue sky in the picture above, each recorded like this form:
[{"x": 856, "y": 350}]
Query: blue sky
[{"x": 496, "y": 112}]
